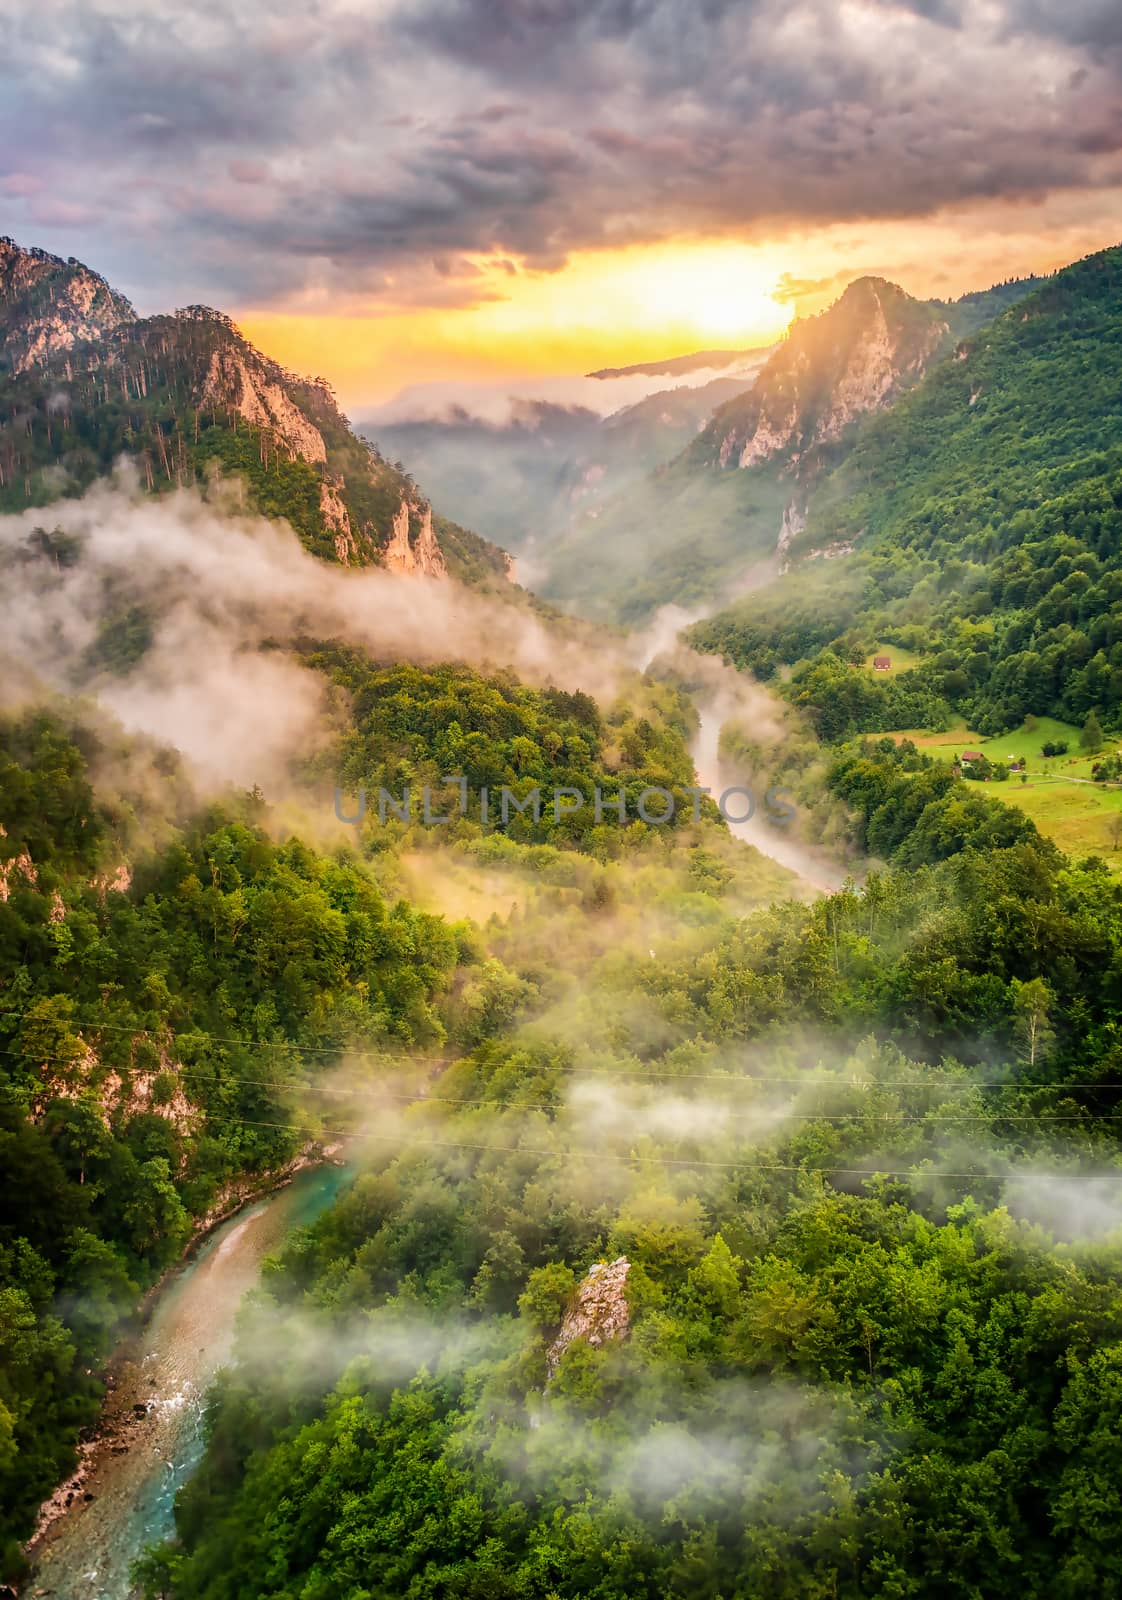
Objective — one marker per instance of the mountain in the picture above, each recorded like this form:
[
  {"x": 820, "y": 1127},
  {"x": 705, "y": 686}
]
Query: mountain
[
  {"x": 978, "y": 523},
  {"x": 832, "y": 369},
  {"x": 522, "y": 481},
  {"x": 722, "y": 512},
  {"x": 623, "y": 515},
  {"x": 47, "y": 306},
  {"x": 721, "y": 515},
  {"x": 655, "y": 430},
  {"x": 183, "y": 395},
  {"x": 679, "y": 366}
]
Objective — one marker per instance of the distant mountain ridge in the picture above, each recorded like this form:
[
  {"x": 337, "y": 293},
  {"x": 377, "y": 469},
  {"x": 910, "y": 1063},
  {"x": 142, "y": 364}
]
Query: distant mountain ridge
[
  {"x": 183, "y": 394},
  {"x": 679, "y": 366},
  {"x": 522, "y": 482}
]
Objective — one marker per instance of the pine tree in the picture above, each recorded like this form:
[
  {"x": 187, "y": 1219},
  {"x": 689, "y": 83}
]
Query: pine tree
[{"x": 1092, "y": 736}]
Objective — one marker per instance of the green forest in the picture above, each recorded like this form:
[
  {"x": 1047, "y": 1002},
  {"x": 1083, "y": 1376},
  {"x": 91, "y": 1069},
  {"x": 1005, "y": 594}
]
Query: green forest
[
  {"x": 162, "y": 1036},
  {"x": 135, "y": 1082},
  {"x": 709, "y": 1233},
  {"x": 859, "y": 1361},
  {"x": 987, "y": 512},
  {"x": 871, "y": 1324}
]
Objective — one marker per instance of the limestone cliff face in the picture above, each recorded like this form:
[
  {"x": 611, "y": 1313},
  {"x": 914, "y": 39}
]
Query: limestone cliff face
[
  {"x": 170, "y": 389},
  {"x": 116, "y": 882},
  {"x": 12, "y": 868},
  {"x": 412, "y": 546},
  {"x": 853, "y": 359},
  {"x": 116, "y": 1094},
  {"x": 598, "y": 1313},
  {"x": 239, "y": 383},
  {"x": 337, "y": 519},
  {"x": 49, "y": 306},
  {"x": 794, "y": 522}
]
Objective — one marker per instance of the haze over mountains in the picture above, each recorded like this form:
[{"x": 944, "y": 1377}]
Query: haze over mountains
[
  {"x": 720, "y": 513},
  {"x": 698, "y": 489},
  {"x": 596, "y": 506},
  {"x": 674, "y": 1154},
  {"x": 527, "y": 467}
]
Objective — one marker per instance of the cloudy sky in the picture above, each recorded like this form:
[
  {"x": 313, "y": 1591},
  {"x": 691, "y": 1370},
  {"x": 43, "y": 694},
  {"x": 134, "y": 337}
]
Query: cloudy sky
[{"x": 403, "y": 190}]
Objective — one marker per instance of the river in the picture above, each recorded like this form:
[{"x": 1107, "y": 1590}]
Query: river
[
  {"x": 769, "y": 838},
  {"x": 720, "y": 693},
  {"x": 87, "y": 1553}
]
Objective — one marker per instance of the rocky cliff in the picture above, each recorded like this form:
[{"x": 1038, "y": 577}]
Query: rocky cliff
[
  {"x": 599, "y": 1311},
  {"x": 833, "y": 369},
  {"x": 186, "y": 395},
  {"x": 731, "y": 506},
  {"x": 47, "y": 306},
  {"x": 413, "y": 547}
]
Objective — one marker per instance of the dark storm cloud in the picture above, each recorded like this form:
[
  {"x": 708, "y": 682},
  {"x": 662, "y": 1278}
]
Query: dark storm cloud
[
  {"x": 1095, "y": 25},
  {"x": 248, "y": 151}
]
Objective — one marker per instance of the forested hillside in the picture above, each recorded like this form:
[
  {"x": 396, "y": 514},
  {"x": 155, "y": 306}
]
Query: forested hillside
[
  {"x": 852, "y": 1361},
  {"x": 986, "y": 514},
  {"x": 160, "y": 1021},
  {"x": 414, "y": 729},
  {"x": 174, "y": 982},
  {"x": 83, "y": 382}
]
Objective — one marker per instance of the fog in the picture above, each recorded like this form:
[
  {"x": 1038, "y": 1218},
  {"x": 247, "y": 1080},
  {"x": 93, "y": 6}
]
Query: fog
[
  {"x": 504, "y": 402},
  {"x": 1072, "y": 1206},
  {"x": 217, "y": 586},
  {"x": 210, "y": 592}
]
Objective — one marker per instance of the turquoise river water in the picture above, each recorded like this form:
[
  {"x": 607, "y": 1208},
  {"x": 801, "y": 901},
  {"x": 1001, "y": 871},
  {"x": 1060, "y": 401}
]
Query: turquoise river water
[{"x": 87, "y": 1553}]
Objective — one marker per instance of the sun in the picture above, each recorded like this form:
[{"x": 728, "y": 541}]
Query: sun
[
  {"x": 721, "y": 291},
  {"x": 602, "y": 308},
  {"x": 652, "y": 298}
]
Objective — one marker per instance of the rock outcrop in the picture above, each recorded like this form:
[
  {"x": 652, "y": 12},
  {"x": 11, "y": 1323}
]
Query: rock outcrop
[
  {"x": 413, "y": 548},
  {"x": 116, "y": 882},
  {"x": 337, "y": 519},
  {"x": 49, "y": 305},
  {"x": 855, "y": 358},
  {"x": 20, "y": 864},
  {"x": 599, "y": 1311},
  {"x": 239, "y": 384}
]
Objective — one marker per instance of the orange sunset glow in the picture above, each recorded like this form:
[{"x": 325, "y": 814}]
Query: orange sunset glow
[
  {"x": 617, "y": 306},
  {"x": 561, "y": 800}
]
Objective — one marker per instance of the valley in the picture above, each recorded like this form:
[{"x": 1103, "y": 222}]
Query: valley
[
  {"x": 731, "y": 1201},
  {"x": 152, "y": 1430}
]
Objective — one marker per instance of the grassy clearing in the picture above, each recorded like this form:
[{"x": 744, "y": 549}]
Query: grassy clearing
[
  {"x": 1026, "y": 742},
  {"x": 1080, "y": 818},
  {"x": 1058, "y": 795},
  {"x": 901, "y": 659},
  {"x": 952, "y": 741}
]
